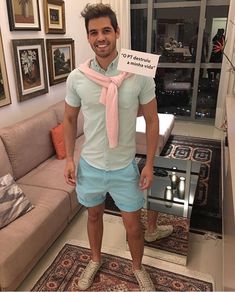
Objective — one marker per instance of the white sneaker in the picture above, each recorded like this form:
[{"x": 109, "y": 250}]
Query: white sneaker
[
  {"x": 161, "y": 231},
  {"x": 87, "y": 276},
  {"x": 144, "y": 280}
]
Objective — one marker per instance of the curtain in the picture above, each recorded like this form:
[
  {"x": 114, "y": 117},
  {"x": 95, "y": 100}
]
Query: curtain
[{"x": 122, "y": 10}]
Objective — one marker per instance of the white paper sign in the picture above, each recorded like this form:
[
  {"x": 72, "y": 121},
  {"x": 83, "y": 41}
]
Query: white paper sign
[{"x": 138, "y": 62}]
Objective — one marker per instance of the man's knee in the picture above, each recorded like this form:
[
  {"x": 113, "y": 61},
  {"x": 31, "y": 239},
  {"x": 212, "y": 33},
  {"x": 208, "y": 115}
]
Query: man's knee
[
  {"x": 134, "y": 229},
  {"x": 95, "y": 213}
]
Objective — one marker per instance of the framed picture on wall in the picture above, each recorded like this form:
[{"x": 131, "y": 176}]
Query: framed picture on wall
[
  {"x": 54, "y": 16},
  {"x": 5, "y": 97},
  {"x": 60, "y": 58},
  {"x": 30, "y": 65},
  {"x": 23, "y": 14}
]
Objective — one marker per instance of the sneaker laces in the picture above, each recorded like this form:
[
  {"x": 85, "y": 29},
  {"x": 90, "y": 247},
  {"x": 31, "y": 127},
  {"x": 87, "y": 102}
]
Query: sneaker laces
[
  {"x": 143, "y": 278},
  {"x": 90, "y": 271}
]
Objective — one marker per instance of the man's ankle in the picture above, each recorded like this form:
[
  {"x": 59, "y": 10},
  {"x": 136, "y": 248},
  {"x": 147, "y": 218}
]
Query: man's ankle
[
  {"x": 136, "y": 267},
  {"x": 96, "y": 259}
]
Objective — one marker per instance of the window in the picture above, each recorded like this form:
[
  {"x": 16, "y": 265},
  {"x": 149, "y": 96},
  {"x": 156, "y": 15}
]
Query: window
[
  {"x": 183, "y": 33},
  {"x": 173, "y": 29},
  {"x": 139, "y": 22}
]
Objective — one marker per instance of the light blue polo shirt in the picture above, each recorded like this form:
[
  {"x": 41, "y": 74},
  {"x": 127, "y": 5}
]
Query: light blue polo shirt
[{"x": 83, "y": 92}]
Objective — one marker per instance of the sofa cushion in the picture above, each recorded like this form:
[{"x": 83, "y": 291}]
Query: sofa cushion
[
  {"x": 26, "y": 239},
  {"x": 13, "y": 202},
  {"x": 59, "y": 110},
  {"x": 57, "y": 134},
  {"x": 50, "y": 174},
  {"x": 28, "y": 143},
  {"x": 5, "y": 165},
  {"x": 166, "y": 124}
]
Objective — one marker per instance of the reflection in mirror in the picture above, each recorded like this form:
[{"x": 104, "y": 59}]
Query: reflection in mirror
[
  {"x": 181, "y": 187},
  {"x": 168, "y": 196},
  {"x": 153, "y": 231},
  {"x": 165, "y": 236}
]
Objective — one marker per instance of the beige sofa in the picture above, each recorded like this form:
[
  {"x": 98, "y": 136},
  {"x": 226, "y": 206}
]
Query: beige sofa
[{"x": 27, "y": 153}]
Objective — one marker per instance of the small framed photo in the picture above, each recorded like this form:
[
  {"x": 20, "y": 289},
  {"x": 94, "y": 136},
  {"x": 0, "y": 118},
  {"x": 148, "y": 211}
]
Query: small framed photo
[
  {"x": 5, "y": 97},
  {"x": 54, "y": 15},
  {"x": 30, "y": 65},
  {"x": 23, "y": 14},
  {"x": 60, "y": 58}
]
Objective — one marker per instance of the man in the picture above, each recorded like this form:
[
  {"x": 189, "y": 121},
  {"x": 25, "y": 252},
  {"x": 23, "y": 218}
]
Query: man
[{"x": 107, "y": 161}]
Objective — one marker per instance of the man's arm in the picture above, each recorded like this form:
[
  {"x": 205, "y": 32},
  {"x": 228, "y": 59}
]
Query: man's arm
[
  {"x": 70, "y": 131},
  {"x": 149, "y": 111}
]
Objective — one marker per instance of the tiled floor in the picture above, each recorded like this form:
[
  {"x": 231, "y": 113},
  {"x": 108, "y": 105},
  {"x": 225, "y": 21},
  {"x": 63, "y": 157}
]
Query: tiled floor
[{"x": 205, "y": 254}]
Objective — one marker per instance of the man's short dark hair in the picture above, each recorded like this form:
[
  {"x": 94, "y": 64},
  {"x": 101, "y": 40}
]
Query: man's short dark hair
[{"x": 92, "y": 11}]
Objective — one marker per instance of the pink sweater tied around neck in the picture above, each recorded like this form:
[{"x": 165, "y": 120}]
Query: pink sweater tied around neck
[{"x": 108, "y": 97}]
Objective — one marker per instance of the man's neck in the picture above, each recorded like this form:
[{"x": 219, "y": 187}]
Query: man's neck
[{"x": 105, "y": 62}]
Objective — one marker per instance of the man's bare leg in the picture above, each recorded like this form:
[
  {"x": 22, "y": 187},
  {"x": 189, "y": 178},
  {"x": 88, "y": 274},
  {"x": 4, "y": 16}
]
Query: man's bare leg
[
  {"x": 151, "y": 220},
  {"x": 95, "y": 231},
  {"x": 95, "y": 234},
  {"x": 135, "y": 236},
  {"x": 154, "y": 231}
]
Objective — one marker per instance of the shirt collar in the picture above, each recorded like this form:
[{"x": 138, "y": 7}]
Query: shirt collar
[{"x": 95, "y": 65}]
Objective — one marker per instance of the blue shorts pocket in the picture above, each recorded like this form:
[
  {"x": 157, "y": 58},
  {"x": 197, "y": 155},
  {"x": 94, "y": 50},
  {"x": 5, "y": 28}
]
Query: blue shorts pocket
[{"x": 136, "y": 168}]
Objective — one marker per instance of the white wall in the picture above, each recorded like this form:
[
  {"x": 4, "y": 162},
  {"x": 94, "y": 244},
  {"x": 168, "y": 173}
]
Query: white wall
[
  {"x": 231, "y": 49},
  {"x": 226, "y": 88},
  {"x": 74, "y": 29}
]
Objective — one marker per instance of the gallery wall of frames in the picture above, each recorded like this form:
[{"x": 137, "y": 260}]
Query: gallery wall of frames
[{"x": 29, "y": 55}]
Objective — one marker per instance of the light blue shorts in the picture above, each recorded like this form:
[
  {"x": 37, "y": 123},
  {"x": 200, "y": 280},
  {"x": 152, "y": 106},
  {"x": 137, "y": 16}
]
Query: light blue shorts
[{"x": 122, "y": 185}]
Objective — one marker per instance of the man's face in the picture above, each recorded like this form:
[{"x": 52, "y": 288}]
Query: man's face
[{"x": 102, "y": 37}]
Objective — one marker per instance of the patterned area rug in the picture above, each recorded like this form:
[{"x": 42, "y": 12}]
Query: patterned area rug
[
  {"x": 207, "y": 210},
  {"x": 114, "y": 275}
]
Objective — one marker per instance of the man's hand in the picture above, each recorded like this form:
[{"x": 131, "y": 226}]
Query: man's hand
[
  {"x": 146, "y": 178},
  {"x": 69, "y": 173}
]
